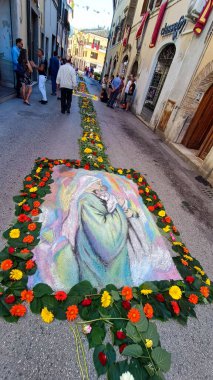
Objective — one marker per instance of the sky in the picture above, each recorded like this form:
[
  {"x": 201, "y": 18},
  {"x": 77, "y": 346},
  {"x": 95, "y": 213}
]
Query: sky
[{"x": 91, "y": 14}]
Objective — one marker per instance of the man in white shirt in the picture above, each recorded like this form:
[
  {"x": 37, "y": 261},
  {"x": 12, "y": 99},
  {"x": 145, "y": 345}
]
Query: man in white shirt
[
  {"x": 66, "y": 80},
  {"x": 127, "y": 87}
]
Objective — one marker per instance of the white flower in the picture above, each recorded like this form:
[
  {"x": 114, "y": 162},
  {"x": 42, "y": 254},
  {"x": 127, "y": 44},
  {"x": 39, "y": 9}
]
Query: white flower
[
  {"x": 87, "y": 329},
  {"x": 126, "y": 376}
]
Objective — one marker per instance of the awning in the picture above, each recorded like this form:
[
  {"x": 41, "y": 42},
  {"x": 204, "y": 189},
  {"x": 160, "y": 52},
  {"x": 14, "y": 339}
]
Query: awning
[
  {"x": 158, "y": 24},
  {"x": 143, "y": 22}
]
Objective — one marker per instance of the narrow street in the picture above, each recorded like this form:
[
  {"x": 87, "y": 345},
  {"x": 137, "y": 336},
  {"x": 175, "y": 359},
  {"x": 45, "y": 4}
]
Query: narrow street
[{"x": 32, "y": 350}]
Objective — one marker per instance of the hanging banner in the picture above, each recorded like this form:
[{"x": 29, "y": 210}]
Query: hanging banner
[
  {"x": 141, "y": 27},
  {"x": 126, "y": 35},
  {"x": 203, "y": 18},
  {"x": 158, "y": 24}
]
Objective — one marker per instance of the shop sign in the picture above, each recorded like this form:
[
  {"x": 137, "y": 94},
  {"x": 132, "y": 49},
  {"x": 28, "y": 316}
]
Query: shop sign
[{"x": 174, "y": 29}]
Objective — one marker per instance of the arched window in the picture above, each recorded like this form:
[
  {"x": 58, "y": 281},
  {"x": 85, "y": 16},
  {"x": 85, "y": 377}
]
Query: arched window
[{"x": 161, "y": 71}]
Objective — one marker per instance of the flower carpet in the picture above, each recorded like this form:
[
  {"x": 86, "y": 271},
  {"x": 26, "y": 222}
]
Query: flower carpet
[{"x": 94, "y": 246}]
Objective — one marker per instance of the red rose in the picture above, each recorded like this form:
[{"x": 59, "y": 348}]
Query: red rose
[
  {"x": 45, "y": 179},
  {"x": 11, "y": 250},
  {"x": 26, "y": 208},
  {"x": 159, "y": 297},
  {"x": 120, "y": 335},
  {"x": 10, "y": 299},
  {"x": 175, "y": 307},
  {"x": 87, "y": 167},
  {"x": 86, "y": 302},
  {"x": 60, "y": 296},
  {"x": 190, "y": 279},
  {"x": 68, "y": 164},
  {"x": 42, "y": 184},
  {"x": 33, "y": 195},
  {"x": 126, "y": 305},
  {"x": 23, "y": 218},
  {"x": 102, "y": 358},
  {"x": 121, "y": 347}
]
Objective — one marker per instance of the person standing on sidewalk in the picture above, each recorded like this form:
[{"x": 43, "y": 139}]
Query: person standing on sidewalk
[
  {"x": 115, "y": 91},
  {"x": 66, "y": 80},
  {"x": 42, "y": 72},
  {"x": 16, "y": 49},
  {"x": 53, "y": 71}
]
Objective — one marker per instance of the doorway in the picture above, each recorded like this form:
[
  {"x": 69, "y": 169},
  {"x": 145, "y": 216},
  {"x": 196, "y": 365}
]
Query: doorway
[
  {"x": 199, "y": 135},
  {"x": 160, "y": 73}
]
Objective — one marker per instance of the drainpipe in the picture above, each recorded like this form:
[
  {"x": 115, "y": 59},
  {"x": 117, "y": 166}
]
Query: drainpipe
[{"x": 11, "y": 23}]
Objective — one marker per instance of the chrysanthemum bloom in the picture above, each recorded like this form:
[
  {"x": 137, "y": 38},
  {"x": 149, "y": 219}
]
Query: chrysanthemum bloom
[
  {"x": 22, "y": 218},
  {"x": 14, "y": 233},
  {"x": 106, "y": 299},
  {"x": 193, "y": 299},
  {"x": 60, "y": 296},
  {"x": 32, "y": 227},
  {"x": 146, "y": 291},
  {"x": 175, "y": 292},
  {"x": 127, "y": 293},
  {"x": 127, "y": 376},
  {"x": 148, "y": 311},
  {"x": 208, "y": 282},
  {"x": 162, "y": 213},
  {"x": 149, "y": 343},
  {"x": 35, "y": 212},
  {"x": 27, "y": 295},
  {"x": 134, "y": 315},
  {"x": 204, "y": 291},
  {"x": 28, "y": 239},
  {"x": 72, "y": 312},
  {"x": 46, "y": 315},
  {"x": 18, "y": 310},
  {"x": 33, "y": 189},
  {"x": 25, "y": 251},
  {"x": 175, "y": 307},
  {"x": 16, "y": 274},
  {"x": 6, "y": 264},
  {"x": 36, "y": 204},
  {"x": 29, "y": 264}
]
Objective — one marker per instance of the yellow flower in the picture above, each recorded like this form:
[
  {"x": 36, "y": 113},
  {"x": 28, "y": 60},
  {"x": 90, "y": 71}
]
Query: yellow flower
[
  {"x": 149, "y": 343},
  {"x": 177, "y": 243},
  {"x": 33, "y": 189},
  {"x": 188, "y": 257},
  {"x": 140, "y": 179},
  {"x": 99, "y": 146},
  {"x": 84, "y": 139},
  {"x": 166, "y": 229},
  {"x": 96, "y": 165},
  {"x": 199, "y": 270},
  {"x": 16, "y": 274},
  {"x": 38, "y": 170},
  {"x": 106, "y": 299},
  {"x": 22, "y": 202},
  {"x": 46, "y": 315},
  {"x": 149, "y": 199},
  {"x": 120, "y": 171},
  {"x": 147, "y": 190},
  {"x": 175, "y": 292},
  {"x": 111, "y": 168},
  {"x": 100, "y": 159},
  {"x": 208, "y": 282},
  {"x": 146, "y": 291},
  {"x": 97, "y": 138},
  {"x": 15, "y": 233},
  {"x": 88, "y": 150},
  {"x": 162, "y": 213}
]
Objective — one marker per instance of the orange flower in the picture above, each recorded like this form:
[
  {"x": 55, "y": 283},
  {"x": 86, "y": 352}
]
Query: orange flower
[
  {"x": 31, "y": 227},
  {"x": 159, "y": 204},
  {"x": 148, "y": 310},
  {"x": 193, "y": 299},
  {"x": 18, "y": 310},
  {"x": 134, "y": 315},
  {"x": 204, "y": 291},
  {"x": 30, "y": 264},
  {"x": 151, "y": 208},
  {"x": 36, "y": 204},
  {"x": 28, "y": 186},
  {"x": 25, "y": 251},
  {"x": 167, "y": 219},
  {"x": 184, "y": 262},
  {"x": 27, "y": 295},
  {"x": 35, "y": 212},
  {"x": 72, "y": 312},
  {"x": 129, "y": 176},
  {"x": 28, "y": 179},
  {"x": 185, "y": 250},
  {"x": 28, "y": 239},
  {"x": 6, "y": 264},
  {"x": 141, "y": 191},
  {"x": 174, "y": 228},
  {"x": 127, "y": 293}
]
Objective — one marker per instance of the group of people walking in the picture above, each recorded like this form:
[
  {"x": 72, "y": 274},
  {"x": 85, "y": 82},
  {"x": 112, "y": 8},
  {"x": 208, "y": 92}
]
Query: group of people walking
[{"x": 117, "y": 89}]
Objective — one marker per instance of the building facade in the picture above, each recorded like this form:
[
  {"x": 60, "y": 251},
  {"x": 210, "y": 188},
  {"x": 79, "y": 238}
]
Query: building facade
[
  {"x": 170, "y": 49},
  {"x": 88, "y": 48}
]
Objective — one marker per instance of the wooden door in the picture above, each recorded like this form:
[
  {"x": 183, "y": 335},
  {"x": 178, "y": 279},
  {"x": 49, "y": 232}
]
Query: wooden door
[{"x": 201, "y": 124}]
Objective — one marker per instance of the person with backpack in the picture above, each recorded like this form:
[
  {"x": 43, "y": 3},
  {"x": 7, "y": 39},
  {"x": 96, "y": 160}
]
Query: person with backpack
[
  {"x": 53, "y": 71},
  {"x": 25, "y": 70}
]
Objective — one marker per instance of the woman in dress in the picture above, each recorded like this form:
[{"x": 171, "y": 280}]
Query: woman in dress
[{"x": 26, "y": 70}]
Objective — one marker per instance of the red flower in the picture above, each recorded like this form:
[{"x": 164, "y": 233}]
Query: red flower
[
  {"x": 193, "y": 298},
  {"x": 120, "y": 335},
  {"x": 11, "y": 250},
  {"x": 23, "y": 218},
  {"x": 160, "y": 298},
  {"x": 190, "y": 279},
  {"x": 126, "y": 305},
  {"x": 42, "y": 184},
  {"x": 175, "y": 307},
  {"x": 102, "y": 358},
  {"x": 18, "y": 310},
  {"x": 86, "y": 302},
  {"x": 33, "y": 195},
  {"x": 29, "y": 264},
  {"x": 151, "y": 208},
  {"x": 10, "y": 299},
  {"x": 87, "y": 167},
  {"x": 121, "y": 347},
  {"x": 26, "y": 207},
  {"x": 60, "y": 296},
  {"x": 45, "y": 179}
]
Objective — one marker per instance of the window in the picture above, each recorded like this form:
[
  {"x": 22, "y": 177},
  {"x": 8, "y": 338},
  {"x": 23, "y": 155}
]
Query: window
[
  {"x": 94, "y": 55},
  {"x": 150, "y": 5}
]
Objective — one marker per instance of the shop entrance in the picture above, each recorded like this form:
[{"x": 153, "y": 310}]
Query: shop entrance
[{"x": 199, "y": 135}]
